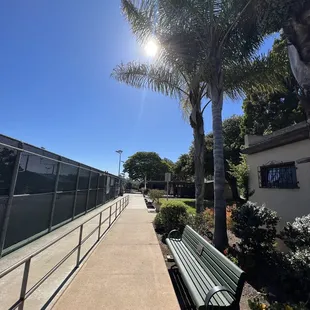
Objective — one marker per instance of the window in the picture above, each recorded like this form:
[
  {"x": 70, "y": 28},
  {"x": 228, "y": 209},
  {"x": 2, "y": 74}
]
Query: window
[{"x": 278, "y": 176}]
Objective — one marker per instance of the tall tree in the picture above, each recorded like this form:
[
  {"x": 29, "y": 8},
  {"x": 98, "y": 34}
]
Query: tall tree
[
  {"x": 206, "y": 49},
  {"x": 184, "y": 168},
  {"x": 265, "y": 112},
  {"x": 145, "y": 165},
  {"x": 233, "y": 143},
  {"x": 293, "y": 17},
  {"x": 169, "y": 163}
]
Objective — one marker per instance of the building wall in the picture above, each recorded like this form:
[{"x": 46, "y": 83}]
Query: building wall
[{"x": 288, "y": 203}]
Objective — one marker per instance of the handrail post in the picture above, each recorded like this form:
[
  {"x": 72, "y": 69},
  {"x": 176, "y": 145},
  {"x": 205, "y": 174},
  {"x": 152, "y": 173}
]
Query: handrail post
[
  {"x": 24, "y": 284},
  {"x": 80, "y": 245},
  {"x": 99, "y": 227},
  {"x": 110, "y": 215},
  {"x": 115, "y": 210}
]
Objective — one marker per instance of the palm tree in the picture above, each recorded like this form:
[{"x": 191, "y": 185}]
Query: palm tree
[
  {"x": 293, "y": 18},
  {"x": 207, "y": 50}
]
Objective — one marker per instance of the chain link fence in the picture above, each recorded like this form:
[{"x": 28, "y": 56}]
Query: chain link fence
[{"x": 40, "y": 191}]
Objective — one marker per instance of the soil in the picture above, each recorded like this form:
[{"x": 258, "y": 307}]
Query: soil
[{"x": 182, "y": 294}]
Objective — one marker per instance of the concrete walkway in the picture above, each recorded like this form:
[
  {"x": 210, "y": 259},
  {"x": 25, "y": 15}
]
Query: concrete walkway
[
  {"x": 10, "y": 285},
  {"x": 125, "y": 271}
]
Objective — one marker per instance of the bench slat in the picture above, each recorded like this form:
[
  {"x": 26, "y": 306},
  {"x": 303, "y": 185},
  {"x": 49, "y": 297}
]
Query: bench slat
[
  {"x": 203, "y": 282},
  {"x": 203, "y": 267},
  {"x": 230, "y": 266},
  {"x": 186, "y": 278},
  {"x": 225, "y": 267},
  {"x": 219, "y": 271}
]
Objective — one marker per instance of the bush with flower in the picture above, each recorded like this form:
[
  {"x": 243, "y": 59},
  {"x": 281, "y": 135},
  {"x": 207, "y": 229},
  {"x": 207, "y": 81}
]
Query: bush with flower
[{"x": 258, "y": 304}]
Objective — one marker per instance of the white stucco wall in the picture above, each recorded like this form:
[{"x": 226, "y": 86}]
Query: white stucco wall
[{"x": 288, "y": 203}]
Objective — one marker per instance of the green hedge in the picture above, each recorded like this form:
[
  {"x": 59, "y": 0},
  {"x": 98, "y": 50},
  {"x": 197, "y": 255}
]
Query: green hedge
[{"x": 172, "y": 215}]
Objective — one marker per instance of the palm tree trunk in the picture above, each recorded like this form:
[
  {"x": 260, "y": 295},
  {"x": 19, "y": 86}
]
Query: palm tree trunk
[
  {"x": 220, "y": 229},
  {"x": 196, "y": 120},
  {"x": 297, "y": 33}
]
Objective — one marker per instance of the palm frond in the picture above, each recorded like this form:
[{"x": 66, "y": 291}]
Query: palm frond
[
  {"x": 141, "y": 20},
  {"x": 263, "y": 73},
  {"x": 156, "y": 78}
]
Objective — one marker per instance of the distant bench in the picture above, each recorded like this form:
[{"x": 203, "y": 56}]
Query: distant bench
[{"x": 212, "y": 280}]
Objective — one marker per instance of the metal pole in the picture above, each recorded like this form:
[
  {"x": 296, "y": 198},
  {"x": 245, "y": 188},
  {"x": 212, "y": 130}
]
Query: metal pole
[
  {"x": 97, "y": 189},
  {"x": 110, "y": 216},
  {"x": 119, "y": 164},
  {"x": 76, "y": 192},
  {"x": 145, "y": 182},
  {"x": 88, "y": 190},
  {"x": 24, "y": 284},
  {"x": 167, "y": 189},
  {"x": 115, "y": 209},
  {"x": 54, "y": 196},
  {"x": 79, "y": 248},
  {"x": 10, "y": 201},
  {"x": 99, "y": 227}
]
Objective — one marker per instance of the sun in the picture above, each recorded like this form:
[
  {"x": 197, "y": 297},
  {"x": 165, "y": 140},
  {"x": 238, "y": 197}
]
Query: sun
[{"x": 151, "y": 48}]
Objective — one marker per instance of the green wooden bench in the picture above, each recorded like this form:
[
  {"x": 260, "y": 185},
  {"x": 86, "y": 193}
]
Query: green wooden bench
[{"x": 213, "y": 281}]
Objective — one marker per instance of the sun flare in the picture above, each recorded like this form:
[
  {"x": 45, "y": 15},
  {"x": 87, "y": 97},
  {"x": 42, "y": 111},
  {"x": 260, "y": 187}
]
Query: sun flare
[{"x": 151, "y": 48}]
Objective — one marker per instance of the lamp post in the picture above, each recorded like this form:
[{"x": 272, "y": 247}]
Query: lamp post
[{"x": 119, "y": 162}]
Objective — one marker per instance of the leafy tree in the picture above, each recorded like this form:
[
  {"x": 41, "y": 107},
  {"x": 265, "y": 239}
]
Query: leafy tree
[
  {"x": 147, "y": 165},
  {"x": 169, "y": 163},
  {"x": 184, "y": 168},
  {"x": 233, "y": 142},
  {"x": 265, "y": 112},
  {"x": 206, "y": 49},
  {"x": 241, "y": 173}
]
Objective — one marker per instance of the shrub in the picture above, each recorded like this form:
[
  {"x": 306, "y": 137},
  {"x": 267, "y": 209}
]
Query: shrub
[
  {"x": 199, "y": 223},
  {"x": 174, "y": 215},
  {"x": 295, "y": 275},
  {"x": 156, "y": 194},
  {"x": 256, "y": 227},
  {"x": 296, "y": 235},
  {"x": 257, "y": 304},
  {"x": 209, "y": 217},
  {"x": 158, "y": 223}
]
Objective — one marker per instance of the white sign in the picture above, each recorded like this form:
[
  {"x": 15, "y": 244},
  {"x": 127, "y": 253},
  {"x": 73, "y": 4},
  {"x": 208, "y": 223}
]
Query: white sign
[{"x": 168, "y": 177}]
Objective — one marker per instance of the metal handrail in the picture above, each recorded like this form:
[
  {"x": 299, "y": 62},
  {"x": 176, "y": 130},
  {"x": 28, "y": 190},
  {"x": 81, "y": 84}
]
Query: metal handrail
[{"x": 24, "y": 294}]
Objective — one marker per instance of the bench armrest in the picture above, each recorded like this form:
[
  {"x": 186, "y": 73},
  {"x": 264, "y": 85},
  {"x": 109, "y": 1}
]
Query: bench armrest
[
  {"x": 172, "y": 232},
  {"x": 215, "y": 290}
]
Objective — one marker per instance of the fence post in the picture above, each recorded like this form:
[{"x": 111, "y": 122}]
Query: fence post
[
  {"x": 79, "y": 248},
  {"x": 24, "y": 284},
  {"x": 88, "y": 190},
  {"x": 54, "y": 196},
  {"x": 97, "y": 192},
  {"x": 10, "y": 199},
  {"x": 99, "y": 227},
  {"x": 110, "y": 215},
  {"x": 76, "y": 192}
]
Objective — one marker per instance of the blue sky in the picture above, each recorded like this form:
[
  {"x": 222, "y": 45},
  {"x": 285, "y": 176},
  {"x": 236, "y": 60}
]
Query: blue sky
[{"x": 56, "y": 92}]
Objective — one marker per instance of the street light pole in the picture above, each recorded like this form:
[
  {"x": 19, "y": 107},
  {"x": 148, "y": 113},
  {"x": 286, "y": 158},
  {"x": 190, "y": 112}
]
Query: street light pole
[{"x": 120, "y": 160}]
